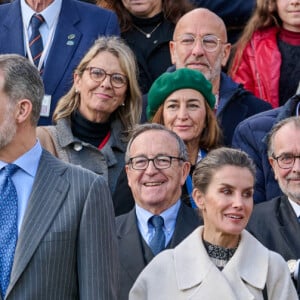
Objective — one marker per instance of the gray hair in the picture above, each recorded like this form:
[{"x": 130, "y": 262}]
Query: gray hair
[
  {"x": 270, "y": 138},
  {"x": 139, "y": 129},
  {"x": 215, "y": 160},
  {"x": 22, "y": 81}
]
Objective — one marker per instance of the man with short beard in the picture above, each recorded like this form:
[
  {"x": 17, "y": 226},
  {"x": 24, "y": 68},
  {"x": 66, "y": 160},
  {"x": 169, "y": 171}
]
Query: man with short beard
[
  {"x": 276, "y": 223},
  {"x": 57, "y": 233},
  {"x": 200, "y": 43}
]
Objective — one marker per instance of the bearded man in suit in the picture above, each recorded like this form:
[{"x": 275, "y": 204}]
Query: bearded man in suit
[
  {"x": 276, "y": 223},
  {"x": 65, "y": 244}
]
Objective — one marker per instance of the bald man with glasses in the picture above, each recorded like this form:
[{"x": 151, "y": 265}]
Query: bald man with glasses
[
  {"x": 276, "y": 223},
  {"x": 156, "y": 166}
]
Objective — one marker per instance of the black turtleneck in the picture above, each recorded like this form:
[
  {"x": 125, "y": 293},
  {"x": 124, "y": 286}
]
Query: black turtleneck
[{"x": 87, "y": 131}]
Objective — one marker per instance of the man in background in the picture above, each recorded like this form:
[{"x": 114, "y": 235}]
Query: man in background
[
  {"x": 275, "y": 223},
  {"x": 54, "y": 35}
]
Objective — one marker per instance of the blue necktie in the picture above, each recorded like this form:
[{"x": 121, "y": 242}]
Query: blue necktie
[
  {"x": 157, "y": 243},
  {"x": 8, "y": 226},
  {"x": 35, "y": 41}
]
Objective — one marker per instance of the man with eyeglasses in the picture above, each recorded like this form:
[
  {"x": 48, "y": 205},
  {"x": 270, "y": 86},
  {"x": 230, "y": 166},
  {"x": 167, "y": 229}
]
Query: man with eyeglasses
[
  {"x": 156, "y": 166},
  {"x": 251, "y": 137},
  {"x": 276, "y": 223},
  {"x": 200, "y": 43}
]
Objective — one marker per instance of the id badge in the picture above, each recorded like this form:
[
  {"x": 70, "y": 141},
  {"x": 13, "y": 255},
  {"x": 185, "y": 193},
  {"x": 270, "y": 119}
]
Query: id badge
[{"x": 46, "y": 104}]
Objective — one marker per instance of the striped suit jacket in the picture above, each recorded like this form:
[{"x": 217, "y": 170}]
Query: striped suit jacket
[{"x": 67, "y": 245}]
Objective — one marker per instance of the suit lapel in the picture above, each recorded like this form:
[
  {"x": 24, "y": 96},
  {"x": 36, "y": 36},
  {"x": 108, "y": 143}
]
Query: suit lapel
[
  {"x": 289, "y": 226},
  {"x": 131, "y": 252},
  {"x": 64, "y": 46},
  {"x": 48, "y": 193},
  {"x": 11, "y": 33},
  {"x": 187, "y": 220}
]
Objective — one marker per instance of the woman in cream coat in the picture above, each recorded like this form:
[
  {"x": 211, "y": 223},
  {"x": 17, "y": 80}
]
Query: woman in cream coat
[{"x": 219, "y": 260}]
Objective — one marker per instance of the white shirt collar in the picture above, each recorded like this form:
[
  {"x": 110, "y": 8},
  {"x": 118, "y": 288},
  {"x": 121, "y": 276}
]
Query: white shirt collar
[{"x": 295, "y": 206}]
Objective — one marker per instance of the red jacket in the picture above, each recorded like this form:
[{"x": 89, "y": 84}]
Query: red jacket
[{"x": 259, "y": 69}]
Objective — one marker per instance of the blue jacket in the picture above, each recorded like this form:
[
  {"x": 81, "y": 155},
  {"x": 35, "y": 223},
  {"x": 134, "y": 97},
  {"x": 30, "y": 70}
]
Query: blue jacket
[
  {"x": 85, "y": 22},
  {"x": 251, "y": 136},
  {"x": 235, "y": 105}
]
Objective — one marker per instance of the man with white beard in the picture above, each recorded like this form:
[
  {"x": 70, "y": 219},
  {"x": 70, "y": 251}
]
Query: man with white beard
[{"x": 276, "y": 223}]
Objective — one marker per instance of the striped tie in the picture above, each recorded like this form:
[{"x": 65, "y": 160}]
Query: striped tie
[{"x": 35, "y": 41}]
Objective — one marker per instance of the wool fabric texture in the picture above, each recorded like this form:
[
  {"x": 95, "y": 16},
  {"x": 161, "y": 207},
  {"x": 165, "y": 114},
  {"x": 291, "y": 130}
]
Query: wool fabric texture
[{"x": 170, "y": 82}]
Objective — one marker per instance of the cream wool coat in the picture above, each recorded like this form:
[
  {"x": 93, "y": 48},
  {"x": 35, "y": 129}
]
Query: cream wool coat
[{"x": 187, "y": 272}]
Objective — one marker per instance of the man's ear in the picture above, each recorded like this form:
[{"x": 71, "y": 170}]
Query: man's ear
[
  {"x": 272, "y": 162},
  {"x": 172, "y": 51},
  {"x": 226, "y": 54},
  {"x": 23, "y": 110}
]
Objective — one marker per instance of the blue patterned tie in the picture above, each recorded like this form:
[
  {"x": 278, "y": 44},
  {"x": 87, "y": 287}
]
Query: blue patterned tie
[
  {"x": 157, "y": 243},
  {"x": 8, "y": 226},
  {"x": 35, "y": 41}
]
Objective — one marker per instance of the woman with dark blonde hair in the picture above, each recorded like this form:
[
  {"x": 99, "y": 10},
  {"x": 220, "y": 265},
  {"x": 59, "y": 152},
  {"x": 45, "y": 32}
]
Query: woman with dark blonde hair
[
  {"x": 147, "y": 27},
  {"x": 267, "y": 55},
  {"x": 94, "y": 117}
]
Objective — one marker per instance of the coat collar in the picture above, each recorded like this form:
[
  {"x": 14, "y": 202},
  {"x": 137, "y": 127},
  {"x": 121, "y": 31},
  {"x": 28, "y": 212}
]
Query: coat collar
[{"x": 194, "y": 267}]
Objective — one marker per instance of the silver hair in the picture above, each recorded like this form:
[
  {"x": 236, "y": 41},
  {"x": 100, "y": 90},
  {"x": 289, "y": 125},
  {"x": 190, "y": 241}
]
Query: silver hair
[
  {"x": 22, "y": 81},
  {"x": 139, "y": 129}
]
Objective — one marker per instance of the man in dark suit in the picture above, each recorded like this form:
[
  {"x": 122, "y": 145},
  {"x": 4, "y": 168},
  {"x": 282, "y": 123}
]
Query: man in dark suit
[
  {"x": 156, "y": 166},
  {"x": 66, "y": 245},
  {"x": 69, "y": 29},
  {"x": 276, "y": 222}
]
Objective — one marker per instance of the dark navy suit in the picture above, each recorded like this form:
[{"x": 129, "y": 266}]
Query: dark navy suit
[{"x": 82, "y": 21}]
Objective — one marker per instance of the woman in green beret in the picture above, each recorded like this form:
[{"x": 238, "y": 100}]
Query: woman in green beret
[{"x": 183, "y": 101}]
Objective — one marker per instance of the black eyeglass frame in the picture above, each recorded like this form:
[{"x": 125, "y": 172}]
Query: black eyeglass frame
[
  {"x": 154, "y": 161},
  {"x": 124, "y": 77},
  {"x": 279, "y": 162}
]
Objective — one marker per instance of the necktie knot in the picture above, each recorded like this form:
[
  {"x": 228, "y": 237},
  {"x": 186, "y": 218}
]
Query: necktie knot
[
  {"x": 36, "y": 21},
  {"x": 10, "y": 169},
  {"x": 157, "y": 221}
]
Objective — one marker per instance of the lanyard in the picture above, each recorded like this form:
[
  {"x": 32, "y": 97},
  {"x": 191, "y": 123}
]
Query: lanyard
[{"x": 47, "y": 45}]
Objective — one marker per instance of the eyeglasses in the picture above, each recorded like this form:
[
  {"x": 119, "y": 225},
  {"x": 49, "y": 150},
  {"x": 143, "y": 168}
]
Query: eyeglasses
[
  {"x": 160, "y": 162},
  {"x": 209, "y": 42},
  {"x": 286, "y": 160},
  {"x": 117, "y": 80}
]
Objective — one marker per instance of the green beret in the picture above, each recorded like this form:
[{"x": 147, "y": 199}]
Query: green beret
[{"x": 170, "y": 82}]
